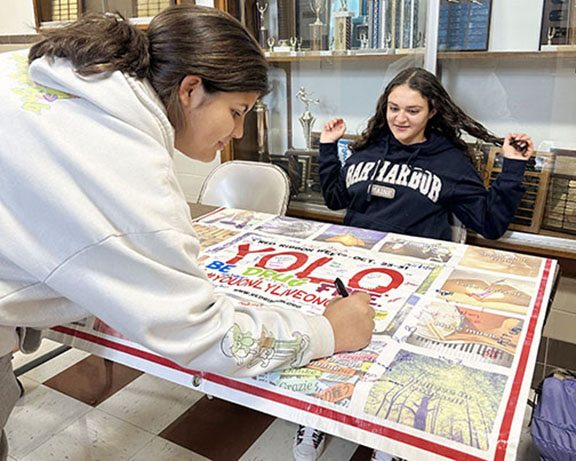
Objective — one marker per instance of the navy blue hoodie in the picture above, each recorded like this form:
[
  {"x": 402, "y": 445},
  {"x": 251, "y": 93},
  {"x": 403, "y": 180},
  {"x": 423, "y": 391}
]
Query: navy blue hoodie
[{"x": 411, "y": 189}]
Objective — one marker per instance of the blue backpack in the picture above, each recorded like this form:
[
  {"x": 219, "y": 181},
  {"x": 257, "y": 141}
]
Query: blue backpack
[{"x": 553, "y": 425}]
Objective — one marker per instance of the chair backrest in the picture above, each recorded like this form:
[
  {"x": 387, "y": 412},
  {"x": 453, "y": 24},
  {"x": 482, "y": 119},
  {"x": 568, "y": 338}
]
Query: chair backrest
[{"x": 254, "y": 186}]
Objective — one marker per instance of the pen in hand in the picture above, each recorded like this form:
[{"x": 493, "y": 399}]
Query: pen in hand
[{"x": 340, "y": 288}]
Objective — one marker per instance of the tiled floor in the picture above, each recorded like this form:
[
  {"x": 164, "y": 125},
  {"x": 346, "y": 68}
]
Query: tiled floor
[{"x": 79, "y": 407}]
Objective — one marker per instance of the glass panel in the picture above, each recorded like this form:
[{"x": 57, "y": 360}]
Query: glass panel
[
  {"x": 126, "y": 8},
  {"x": 508, "y": 66},
  {"x": 512, "y": 68},
  {"x": 329, "y": 58}
]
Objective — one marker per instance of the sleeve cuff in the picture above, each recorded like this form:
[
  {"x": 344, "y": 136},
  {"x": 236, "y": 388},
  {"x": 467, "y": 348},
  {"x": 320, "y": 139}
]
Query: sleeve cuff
[
  {"x": 514, "y": 167},
  {"x": 323, "y": 334},
  {"x": 328, "y": 148}
]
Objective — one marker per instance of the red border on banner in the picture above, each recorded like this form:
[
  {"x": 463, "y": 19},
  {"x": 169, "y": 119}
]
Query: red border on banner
[
  {"x": 358, "y": 423},
  {"x": 513, "y": 400}
]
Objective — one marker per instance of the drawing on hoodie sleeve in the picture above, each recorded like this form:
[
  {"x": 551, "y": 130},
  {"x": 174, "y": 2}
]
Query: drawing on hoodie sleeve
[
  {"x": 241, "y": 345},
  {"x": 35, "y": 97}
]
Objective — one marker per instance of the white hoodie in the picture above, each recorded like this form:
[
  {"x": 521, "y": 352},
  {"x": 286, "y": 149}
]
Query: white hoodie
[{"x": 93, "y": 221}]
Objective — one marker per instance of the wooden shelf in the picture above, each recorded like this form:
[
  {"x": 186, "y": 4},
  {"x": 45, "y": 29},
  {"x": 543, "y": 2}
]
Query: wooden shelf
[
  {"x": 317, "y": 56},
  {"x": 517, "y": 55},
  {"x": 314, "y": 211},
  {"x": 443, "y": 56}
]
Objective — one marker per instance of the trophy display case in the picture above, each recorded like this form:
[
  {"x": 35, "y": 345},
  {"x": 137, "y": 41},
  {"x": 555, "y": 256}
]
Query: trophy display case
[
  {"x": 306, "y": 28},
  {"x": 510, "y": 68},
  {"x": 560, "y": 214}
]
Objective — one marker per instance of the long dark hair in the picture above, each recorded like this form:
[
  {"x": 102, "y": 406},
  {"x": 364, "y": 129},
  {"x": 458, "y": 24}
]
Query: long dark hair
[
  {"x": 180, "y": 41},
  {"x": 449, "y": 119}
]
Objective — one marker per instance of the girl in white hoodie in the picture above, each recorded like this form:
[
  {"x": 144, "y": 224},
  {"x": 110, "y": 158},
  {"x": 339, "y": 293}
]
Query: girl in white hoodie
[{"x": 92, "y": 218}]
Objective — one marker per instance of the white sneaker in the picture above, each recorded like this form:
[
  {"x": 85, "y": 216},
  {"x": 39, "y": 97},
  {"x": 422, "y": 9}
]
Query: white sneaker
[{"x": 308, "y": 444}]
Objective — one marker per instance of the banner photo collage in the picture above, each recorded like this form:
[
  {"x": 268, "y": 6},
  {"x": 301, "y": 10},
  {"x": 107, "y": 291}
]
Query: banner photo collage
[{"x": 448, "y": 371}]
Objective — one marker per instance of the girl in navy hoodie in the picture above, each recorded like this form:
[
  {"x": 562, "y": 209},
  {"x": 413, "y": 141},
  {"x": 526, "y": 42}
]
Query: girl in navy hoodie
[{"x": 409, "y": 171}]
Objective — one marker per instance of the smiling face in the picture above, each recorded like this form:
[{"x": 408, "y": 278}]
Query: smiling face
[
  {"x": 212, "y": 119},
  {"x": 407, "y": 114}
]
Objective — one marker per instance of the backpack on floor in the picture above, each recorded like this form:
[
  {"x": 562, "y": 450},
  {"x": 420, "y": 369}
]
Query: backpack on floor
[{"x": 553, "y": 425}]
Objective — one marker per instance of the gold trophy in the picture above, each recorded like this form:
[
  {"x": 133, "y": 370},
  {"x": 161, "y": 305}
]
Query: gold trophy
[
  {"x": 318, "y": 33},
  {"x": 550, "y": 34},
  {"x": 270, "y": 42}
]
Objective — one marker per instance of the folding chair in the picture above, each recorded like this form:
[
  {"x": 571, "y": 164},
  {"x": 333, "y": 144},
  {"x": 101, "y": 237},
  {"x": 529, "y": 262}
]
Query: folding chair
[{"x": 254, "y": 186}]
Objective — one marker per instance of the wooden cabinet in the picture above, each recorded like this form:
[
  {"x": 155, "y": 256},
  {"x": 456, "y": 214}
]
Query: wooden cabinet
[{"x": 50, "y": 13}]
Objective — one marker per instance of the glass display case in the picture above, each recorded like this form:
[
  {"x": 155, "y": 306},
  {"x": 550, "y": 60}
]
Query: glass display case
[{"x": 508, "y": 63}]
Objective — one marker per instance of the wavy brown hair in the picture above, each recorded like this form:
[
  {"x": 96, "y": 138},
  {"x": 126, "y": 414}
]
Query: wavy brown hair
[
  {"x": 180, "y": 41},
  {"x": 449, "y": 119}
]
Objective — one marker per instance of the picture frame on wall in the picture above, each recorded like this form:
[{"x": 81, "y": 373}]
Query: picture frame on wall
[
  {"x": 558, "y": 23},
  {"x": 464, "y": 25}
]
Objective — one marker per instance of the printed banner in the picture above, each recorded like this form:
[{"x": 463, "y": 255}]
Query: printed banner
[{"x": 457, "y": 330}]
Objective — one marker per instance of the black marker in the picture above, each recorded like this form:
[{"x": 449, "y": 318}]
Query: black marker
[{"x": 340, "y": 288}]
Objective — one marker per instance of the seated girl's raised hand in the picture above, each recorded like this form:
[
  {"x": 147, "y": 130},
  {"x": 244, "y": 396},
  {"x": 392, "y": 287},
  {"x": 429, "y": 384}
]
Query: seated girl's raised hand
[
  {"x": 518, "y": 146},
  {"x": 333, "y": 130}
]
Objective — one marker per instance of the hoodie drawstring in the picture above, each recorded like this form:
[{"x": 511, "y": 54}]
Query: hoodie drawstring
[
  {"x": 413, "y": 156},
  {"x": 386, "y": 150}
]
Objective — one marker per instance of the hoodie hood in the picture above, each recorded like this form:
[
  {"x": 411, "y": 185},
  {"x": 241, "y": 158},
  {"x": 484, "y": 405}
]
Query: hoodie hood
[
  {"x": 115, "y": 93},
  {"x": 104, "y": 139},
  {"x": 435, "y": 144}
]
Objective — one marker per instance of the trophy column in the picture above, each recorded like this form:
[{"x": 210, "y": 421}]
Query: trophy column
[
  {"x": 343, "y": 30},
  {"x": 262, "y": 31},
  {"x": 261, "y": 111},
  {"x": 318, "y": 30},
  {"x": 318, "y": 37}
]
